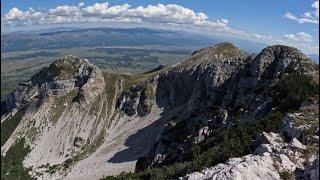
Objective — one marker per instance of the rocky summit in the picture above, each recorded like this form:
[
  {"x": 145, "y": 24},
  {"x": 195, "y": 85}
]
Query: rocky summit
[{"x": 220, "y": 114}]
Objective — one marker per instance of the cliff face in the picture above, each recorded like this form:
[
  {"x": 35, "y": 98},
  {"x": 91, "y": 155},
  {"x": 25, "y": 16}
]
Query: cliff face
[
  {"x": 70, "y": 114},
  {"x": 57, "y": 123},
  {"x": 210, "y": 93},
  {"x": 60, "y": 78},
  {"x": 83, "y": 123}
]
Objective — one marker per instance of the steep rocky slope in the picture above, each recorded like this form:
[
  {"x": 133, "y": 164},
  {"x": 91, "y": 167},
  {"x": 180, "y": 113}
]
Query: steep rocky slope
[
  {"x": 220, "y": 103},
  {"x": 291, "y": 153},
  {"x": 76, "y": 122},
  {"x": 73, "y": 120},
  {"x": 215, "y": 93}
]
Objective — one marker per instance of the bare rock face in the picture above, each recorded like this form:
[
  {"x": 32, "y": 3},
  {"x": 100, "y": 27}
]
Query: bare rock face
[
  {"x": 276, "y": 154},
  {"x": 268, "y": 142},
  {"x": 273, "y": 59},
  {"x": 201, "y": 80},
  {"x": 271, "y": 158},
  {"x": 312, "y": 170},
  {"x": 21, "y": 96},
  {"x": 247, "y": 167},
  {"x": 215, "y": 87},
  {"x": 135, "y": 101},
  {"x": 282, "y": 153},
  {"x": 76, "y": 115},
  {"x": 57, "y": 122},
  {"x": 61, "y": 77},
  {"x": 292, "y": 129}
]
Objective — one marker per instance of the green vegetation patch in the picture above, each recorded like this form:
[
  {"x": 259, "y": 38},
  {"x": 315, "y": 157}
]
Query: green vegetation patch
[
  {"x": 110, "y": 88},
  {"x": 95, "y": 107},
  {"x": 286, "y": 175},
  {"x": 292, "y": 89},
  {"x": 64, "y": 69},
  {"x": 142, "y": 79},
  {"x": 31, "y": 133},
  {"x": 150, "y": 94},
  {"x": 9, "y": 125},
  {"x": 227, "y": 49},
  {"x": 7, "y": 87},
  {"x": 11, "y": 163}
]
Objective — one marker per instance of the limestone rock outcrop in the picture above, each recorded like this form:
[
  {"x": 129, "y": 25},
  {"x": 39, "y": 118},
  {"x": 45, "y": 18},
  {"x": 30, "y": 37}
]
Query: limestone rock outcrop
[
  {"x": 81, "y": 122},
  {"x": 135, "y": 101},
  {"x": 276, "y": 155},
  {"x": 61, "y": 77},
  {"x": 216, "y": 87},
  {"x": 271, "y": 158}
]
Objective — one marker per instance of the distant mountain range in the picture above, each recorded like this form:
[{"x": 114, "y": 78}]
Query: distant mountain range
[
  {"x": 67, "y": 38},
  {"x": 100, "y": 37}
]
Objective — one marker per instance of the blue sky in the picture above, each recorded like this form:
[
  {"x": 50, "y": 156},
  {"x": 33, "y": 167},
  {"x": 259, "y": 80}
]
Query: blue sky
[{"x": 290, "y": 22}]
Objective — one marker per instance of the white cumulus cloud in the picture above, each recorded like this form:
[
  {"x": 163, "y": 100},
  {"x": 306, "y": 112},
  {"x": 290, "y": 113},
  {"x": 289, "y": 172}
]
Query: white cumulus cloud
[
  {"x": 15, "y": 14},
  {"x": 311, "y": 16},
  {"x": 67, "y": 11},
  {"x": 171, "y": 14},
  {"x": 162, "y": 15}
]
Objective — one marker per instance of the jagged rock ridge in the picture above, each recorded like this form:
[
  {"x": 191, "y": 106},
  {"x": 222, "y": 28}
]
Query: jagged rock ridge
[
  {"x": 100, "y": 123},
  {"x": 233, "y": 88},
  {"x": 61, "y": 77}
]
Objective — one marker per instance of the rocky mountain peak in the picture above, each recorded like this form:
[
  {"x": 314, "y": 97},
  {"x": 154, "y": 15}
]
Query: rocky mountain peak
[
  {"x": 64, "y": 75},
  {"x": 282, "y": 52},
  {"x": 278, "y": 57},
  {"x": 225, "y": 46},
  {"x": 64, "y": 68},
  {"x": 81, "y": 123},
  {"x": 220, "y": 51}
]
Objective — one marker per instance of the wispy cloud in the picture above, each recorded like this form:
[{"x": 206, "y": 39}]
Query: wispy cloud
[
  {"x": 299, "y": 37},
  {"x": 311, "y": 16},
  {"x": 307, "y": 48},
  {"x": 263, "y": 37}
]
